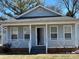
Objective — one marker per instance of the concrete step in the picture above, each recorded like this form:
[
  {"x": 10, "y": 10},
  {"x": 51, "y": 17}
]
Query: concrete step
[
  {"x": 38, "y": 50},
  {"x": 39, "y": 47}
]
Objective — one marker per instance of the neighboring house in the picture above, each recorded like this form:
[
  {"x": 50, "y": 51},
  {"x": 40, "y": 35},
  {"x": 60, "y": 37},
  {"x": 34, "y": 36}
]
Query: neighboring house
[{"x": 40, "y": 28}]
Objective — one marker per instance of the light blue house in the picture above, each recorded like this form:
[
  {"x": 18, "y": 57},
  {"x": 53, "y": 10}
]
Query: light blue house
[{"x": 40, "y": 28}]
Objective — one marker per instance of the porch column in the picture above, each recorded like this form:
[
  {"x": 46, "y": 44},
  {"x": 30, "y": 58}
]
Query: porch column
[
  {"x": 46, "y": 39},
  {"x": 30, "y": 39},
  {"x": 76, "y": 40},
  {"x": 2, "y": 34}
]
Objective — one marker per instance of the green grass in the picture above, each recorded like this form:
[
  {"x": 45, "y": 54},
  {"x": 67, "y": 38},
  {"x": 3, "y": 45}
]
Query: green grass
[{"x": 41, "y": 56}]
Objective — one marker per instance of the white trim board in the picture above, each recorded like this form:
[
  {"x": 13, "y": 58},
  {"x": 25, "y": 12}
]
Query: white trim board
[{"x": 38, "y": 23}]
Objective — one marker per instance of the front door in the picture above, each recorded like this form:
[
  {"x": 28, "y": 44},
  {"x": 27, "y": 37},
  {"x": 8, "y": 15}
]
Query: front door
[{"x": 40, "y": 36}]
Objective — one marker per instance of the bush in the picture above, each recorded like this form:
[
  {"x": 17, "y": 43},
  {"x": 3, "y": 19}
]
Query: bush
[{"x": 6, "y": 47}]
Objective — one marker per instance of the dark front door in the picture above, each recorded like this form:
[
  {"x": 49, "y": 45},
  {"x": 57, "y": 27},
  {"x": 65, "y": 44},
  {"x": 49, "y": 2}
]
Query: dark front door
[{"x": 40, "y": 36}]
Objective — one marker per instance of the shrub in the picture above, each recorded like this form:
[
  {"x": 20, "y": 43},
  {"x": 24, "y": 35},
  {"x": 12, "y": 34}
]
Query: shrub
[{"x": 6, "y": 47}]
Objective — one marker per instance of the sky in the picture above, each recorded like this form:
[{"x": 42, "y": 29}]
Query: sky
[
  {"x": 47, "y": 3},
  {"x": 54, "y": 3},
  {"x": 50, "y": 2}
]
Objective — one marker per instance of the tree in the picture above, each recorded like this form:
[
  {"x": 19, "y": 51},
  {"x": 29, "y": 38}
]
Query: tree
[
  {"x": 17, "y": 7},
  {"x": 55, "y": 8},
  {"x": 72, "y": 7},
  {"x": 2, "y": 18}
]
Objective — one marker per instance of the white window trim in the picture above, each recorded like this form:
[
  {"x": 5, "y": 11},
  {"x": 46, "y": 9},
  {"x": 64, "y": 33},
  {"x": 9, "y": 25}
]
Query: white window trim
[
  {"x": 50, "y": 32},
  {"x": 23, "y": 32},
  {"x": 64, "y": 31},
  {"x": 12, "y": 33}
]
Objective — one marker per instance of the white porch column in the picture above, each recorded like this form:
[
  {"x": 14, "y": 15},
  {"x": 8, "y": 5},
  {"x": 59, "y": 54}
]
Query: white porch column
[
  {"x": 30, "y": 39},
  {"x": 76, "y": 39},
  {"x": 46, "y": 38},
  {"x": 2, "y": 34}
]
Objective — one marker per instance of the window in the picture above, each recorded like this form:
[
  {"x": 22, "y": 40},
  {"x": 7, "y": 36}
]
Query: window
[
  {"x": 26, "y": 32},
  {"x": 14, "y": 36},
  {"x": 14, "y": 33},
  {"x": 53, "y": 33},
  {"x": 0, "y": 37},
  {"x": 26, "y": 36},
  {"x": 67, "y": 32}
]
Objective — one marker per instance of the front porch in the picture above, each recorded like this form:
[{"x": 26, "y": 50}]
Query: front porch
[{"x": 31, "y": 35}]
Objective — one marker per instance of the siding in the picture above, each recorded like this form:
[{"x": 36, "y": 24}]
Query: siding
[
  {"x": 60, "y": 43},
  {"x": 20, "y": 42},
  {"x": 34, "y": 34},
  {"x": 39, "y": 12}
]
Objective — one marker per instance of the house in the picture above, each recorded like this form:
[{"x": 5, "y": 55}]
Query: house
[{"x": 40, "y": 28}]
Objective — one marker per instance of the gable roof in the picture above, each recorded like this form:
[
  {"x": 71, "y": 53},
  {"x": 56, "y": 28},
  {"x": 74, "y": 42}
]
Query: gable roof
[{"x": 39, "y": 6}]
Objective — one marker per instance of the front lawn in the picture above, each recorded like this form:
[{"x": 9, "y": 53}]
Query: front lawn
[{"x": 41, "y": 56}]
